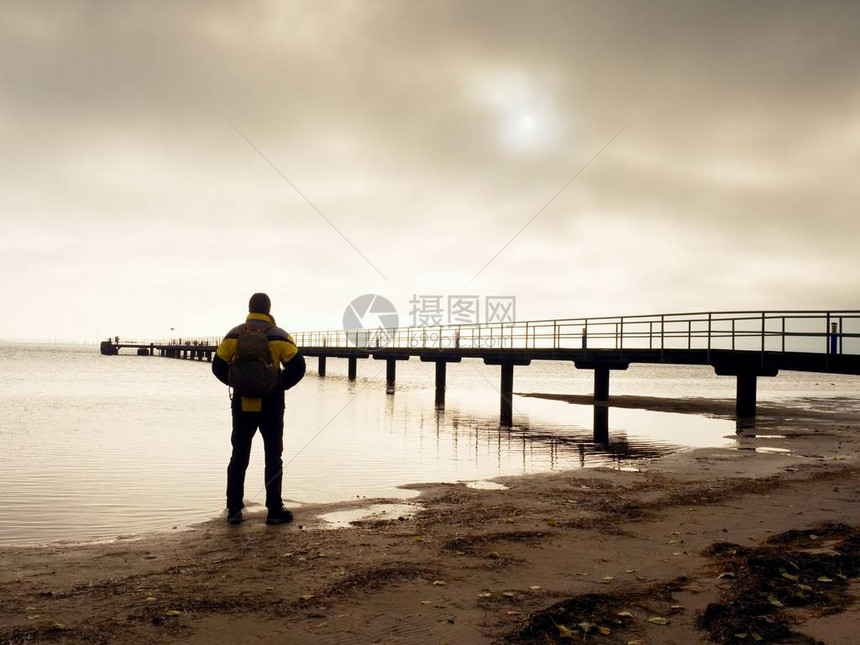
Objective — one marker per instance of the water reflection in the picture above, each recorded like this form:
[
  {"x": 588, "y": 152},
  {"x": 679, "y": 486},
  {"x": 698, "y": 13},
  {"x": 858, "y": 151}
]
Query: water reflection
[
  {"x": 562, "y": 445},
  {"x": 601, "y": 424},
  {"x": 485, "y": 485},
  {"x": 373, "y": 513},
  {"x": 744, "y": 424},
  {"x": 754, "y": 442}
]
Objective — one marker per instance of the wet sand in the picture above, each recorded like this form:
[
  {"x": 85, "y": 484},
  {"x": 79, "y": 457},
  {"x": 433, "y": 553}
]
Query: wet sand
[{"x": 594, "y": 555}]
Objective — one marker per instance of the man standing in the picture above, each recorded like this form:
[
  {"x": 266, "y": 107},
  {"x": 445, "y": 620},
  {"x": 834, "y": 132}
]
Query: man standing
[{"x": 249, "y": 360}]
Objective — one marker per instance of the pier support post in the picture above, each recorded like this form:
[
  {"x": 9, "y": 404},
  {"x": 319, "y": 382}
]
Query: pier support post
[
  {"x": 745, "y": 402},
  {"x": 321, "y": 365},
  {"x": 441, "y": 359},
  {"x": 601, "y": 384},
  {"x": 351, "y": 369},
  {"x": 390, "y": 359},
  {"x": 390, "y": 371},
  {"x": 506, "y": 386},
  {"x": 601, "y": 376},
  {"x": 747, "y": 374},
  {"x": 506, "y": 389},
  {"x": 441, "y": 372}
]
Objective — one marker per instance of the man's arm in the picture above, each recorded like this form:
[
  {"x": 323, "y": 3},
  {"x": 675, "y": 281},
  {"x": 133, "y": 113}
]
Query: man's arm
[
  {"x": 286, "y": 352},
  {"x": 221, "y": 369},
  {"x": 221, "y": 360},
  {"x": 294, "y": 371}
]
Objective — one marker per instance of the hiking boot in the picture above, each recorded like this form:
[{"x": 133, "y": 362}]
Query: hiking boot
[
  {"x": 281, "y": 515},
  {"x": 234, "y": 515}
]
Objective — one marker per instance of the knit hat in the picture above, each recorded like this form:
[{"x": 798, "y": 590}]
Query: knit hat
[{"x": 259, "y": 304}]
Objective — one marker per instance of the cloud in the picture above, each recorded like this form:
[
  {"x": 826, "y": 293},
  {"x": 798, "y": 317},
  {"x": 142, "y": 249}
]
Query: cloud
[{"x": 429, "y": 133}]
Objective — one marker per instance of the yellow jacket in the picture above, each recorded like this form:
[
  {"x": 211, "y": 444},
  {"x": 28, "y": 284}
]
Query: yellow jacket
[{"x": 282, "y": 348}]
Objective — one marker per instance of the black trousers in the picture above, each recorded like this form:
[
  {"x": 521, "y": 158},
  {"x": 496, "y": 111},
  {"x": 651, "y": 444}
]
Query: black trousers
[{"x": 245, "y": 424}]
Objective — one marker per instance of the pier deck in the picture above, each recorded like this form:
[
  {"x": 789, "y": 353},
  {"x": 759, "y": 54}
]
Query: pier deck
[{"x": 746, "y": 345}]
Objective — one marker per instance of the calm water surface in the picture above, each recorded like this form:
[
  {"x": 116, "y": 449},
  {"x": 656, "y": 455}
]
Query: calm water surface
[{"x": 98, "y": 446}]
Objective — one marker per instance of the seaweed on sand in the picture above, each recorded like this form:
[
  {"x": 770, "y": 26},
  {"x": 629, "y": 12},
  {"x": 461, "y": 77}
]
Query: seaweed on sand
[
  {"x": 591, "y": 617},
  {"x": 796, "y": 569}
]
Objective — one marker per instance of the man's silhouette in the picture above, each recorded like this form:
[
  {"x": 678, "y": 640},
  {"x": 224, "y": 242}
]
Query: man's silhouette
[{"x": 265, "y": 412}]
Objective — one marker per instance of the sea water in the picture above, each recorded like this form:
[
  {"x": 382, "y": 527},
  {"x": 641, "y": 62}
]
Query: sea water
[{"x": 94, "y": 447}]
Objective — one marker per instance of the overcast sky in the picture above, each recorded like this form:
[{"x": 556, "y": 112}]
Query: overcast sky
[{"x": 136, "y": 195}]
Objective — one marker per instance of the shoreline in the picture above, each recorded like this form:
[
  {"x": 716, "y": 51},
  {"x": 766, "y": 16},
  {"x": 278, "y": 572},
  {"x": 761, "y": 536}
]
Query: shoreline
[{"x": 470, "y": 566}]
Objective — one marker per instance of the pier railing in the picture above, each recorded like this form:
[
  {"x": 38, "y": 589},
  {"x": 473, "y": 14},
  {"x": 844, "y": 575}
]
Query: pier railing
[
  {"x": 820, "y": 332},
  {"x": 826, "y": 332}
]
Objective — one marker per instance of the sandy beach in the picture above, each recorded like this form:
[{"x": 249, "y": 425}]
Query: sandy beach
[{"x": 736, "y": 546}]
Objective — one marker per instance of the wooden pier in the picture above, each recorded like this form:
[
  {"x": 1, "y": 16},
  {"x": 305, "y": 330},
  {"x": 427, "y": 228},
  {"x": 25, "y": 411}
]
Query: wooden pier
[
  {"x": 745, "y": 345},
  {"x": 194, "y": 349}
]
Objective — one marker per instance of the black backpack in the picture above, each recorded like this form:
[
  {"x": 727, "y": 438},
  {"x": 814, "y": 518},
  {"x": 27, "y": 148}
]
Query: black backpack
[{"x": 253, "y": 373}]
